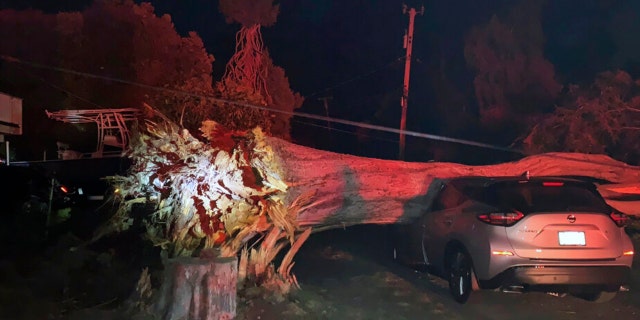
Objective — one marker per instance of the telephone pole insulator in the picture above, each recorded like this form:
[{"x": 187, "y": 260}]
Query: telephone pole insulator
[{"x": 326, "y": 108}]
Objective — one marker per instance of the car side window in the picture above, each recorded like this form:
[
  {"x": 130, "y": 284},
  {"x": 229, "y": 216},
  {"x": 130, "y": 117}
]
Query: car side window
[{"x": 449, "y": 197}]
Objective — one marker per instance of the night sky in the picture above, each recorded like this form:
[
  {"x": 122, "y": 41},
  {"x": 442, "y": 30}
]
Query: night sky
[
  {"x": 352, "y": 50},
  {"x": 329, "y": 45}
]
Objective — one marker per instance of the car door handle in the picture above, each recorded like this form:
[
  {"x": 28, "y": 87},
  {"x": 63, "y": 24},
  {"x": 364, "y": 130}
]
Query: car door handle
[{"x": 448, "y": 222}]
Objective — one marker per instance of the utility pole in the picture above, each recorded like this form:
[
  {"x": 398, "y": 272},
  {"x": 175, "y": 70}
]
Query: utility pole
[{"x": 408, "y": 45}]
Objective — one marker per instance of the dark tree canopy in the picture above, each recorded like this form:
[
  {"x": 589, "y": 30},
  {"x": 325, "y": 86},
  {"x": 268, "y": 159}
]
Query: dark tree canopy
[
  {"x": 21, "y": 31},
  {"x": 282, "y": 98},
  {"x": 514, "y": 81},
  {"x": 601, "y": 118},
  {"x": 120, "y": 53}
]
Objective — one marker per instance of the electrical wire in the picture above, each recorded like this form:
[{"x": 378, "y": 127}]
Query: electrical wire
[
  {"x": 298, "y": 114},
  {"x": 42, "y": 79},
  {"x": 326, "y": 127},
  {"x": 247, "y": 105},
  {"x": 407, "y": 133},
  {"x": 357, "y": 77}
]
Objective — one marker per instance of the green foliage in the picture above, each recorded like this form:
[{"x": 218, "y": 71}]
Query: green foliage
[{"x": 603, "y": 118}]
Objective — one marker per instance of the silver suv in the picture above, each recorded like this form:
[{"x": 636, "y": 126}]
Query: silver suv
[{"x": 550, "y": 234}]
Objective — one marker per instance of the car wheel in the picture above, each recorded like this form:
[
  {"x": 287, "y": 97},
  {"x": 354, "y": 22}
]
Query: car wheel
[
  {"x": 34, "y": 207},
  {"x": 597, "y": 296},
  {"x": 461, "y": 277}
]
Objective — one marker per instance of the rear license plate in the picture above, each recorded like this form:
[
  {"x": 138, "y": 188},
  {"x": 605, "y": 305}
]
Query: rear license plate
[{"x": 571, "y": 238}]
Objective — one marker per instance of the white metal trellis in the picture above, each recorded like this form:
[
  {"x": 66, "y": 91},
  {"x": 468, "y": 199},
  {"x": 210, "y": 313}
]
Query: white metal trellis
[{"x": 112, "y": 125}]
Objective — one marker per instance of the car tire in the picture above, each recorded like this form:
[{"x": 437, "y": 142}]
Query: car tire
[
  {"x": 461, "y": 276},
  {"x": 34, "y": 207},
  {"x": 597, "y": 296}
]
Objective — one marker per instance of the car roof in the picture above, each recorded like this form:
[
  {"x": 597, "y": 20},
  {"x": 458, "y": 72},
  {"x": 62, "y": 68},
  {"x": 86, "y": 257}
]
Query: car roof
[{"x": 486, "y": 181}]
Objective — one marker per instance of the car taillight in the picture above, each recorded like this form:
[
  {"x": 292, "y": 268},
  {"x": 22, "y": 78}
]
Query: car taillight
[
  {"x": 64, "y": 189},
  {"x": 619, "y": 218},
  {"x": 501, "y": 219}
]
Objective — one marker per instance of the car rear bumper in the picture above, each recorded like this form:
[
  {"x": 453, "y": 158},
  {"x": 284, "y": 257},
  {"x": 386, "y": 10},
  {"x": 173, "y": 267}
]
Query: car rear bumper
[{"x": 608, "y": 276}]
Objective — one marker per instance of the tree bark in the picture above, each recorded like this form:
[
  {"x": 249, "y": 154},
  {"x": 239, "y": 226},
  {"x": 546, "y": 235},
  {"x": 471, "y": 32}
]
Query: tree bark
[
  {"x": 198, "y": 288},
  {"x": 352, "y": 190}
]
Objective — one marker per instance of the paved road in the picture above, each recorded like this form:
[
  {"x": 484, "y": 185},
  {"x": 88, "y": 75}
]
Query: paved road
[{"x": 346, "y": 274}]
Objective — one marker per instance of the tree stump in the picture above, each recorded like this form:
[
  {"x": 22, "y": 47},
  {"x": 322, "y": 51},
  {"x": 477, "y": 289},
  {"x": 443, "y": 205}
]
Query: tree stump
[{"x": 198, "y": 288}]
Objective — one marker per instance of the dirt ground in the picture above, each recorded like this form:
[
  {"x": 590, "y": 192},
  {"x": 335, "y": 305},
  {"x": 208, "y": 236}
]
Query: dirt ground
[{"x": 343, "y": 274}]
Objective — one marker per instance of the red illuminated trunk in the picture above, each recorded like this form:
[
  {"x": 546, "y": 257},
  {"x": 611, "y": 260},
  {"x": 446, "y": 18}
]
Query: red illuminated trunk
[{"x": 352, "y": 190}]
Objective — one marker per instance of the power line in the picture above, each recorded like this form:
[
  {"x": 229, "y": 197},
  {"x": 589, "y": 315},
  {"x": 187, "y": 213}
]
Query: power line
[
  {"x": 408, "y": 133},
  {"x": 243, "y": 104},
  {"x": 357, "y": 77},
  {"x": 343, "y": 131},
  {"x": 37, "y": 77}
]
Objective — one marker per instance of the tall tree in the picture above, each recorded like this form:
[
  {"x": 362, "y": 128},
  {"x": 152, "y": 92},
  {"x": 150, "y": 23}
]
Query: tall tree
[
  {"x": 142, "y": 52},
  {"x": 602, "y": 118},
  {"x": 143, "y": 49},
  {"x": 514, "y": 81},
  {"x": 251, "y": 76},
  {"x": 29, "y": 35}
]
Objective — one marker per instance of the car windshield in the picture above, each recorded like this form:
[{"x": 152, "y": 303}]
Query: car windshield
[{"x": 538, "y": 197}]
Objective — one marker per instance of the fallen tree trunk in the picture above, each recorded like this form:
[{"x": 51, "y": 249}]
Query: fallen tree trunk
[
  {"x": 351, "y": 190},
  {"x": 236, "y": 187},
  {"x": 622, "y": 196}
]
